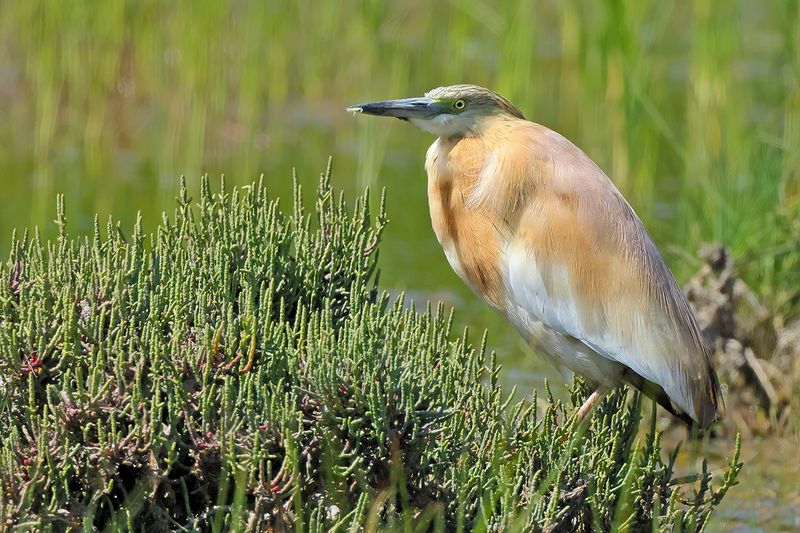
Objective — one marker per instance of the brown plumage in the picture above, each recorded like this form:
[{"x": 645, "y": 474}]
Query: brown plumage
[{"x": 542, "y": 235}]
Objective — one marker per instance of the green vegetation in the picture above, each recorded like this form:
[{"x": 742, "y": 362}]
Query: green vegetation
[
  {"x": 691, "y": 106},
  {"x": 239, "y": 370}
]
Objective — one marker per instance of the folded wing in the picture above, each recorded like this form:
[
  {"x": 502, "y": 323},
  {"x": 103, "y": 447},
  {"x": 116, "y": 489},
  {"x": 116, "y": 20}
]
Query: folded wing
[{"x": 581, "y": 262}]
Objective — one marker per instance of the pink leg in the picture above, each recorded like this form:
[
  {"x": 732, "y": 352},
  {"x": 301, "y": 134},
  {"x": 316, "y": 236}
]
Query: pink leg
[{"x": 588, "y": 404}]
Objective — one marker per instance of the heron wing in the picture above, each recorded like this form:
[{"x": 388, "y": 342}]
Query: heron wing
[{"x": 581, "y": 262}]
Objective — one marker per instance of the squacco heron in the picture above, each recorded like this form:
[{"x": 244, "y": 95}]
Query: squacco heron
[{"x": 542, "y": 235}]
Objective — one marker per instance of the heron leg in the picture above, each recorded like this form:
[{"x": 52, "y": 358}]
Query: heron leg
[{"x": 588, "y": 404}]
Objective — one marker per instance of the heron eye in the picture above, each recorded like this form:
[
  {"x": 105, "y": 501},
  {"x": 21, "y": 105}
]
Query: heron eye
[{"x": 459, "y": 104}]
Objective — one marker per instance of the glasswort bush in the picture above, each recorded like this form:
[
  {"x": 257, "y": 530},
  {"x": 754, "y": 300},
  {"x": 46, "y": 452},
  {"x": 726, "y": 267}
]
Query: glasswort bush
[{"x": 239, "y": 370}]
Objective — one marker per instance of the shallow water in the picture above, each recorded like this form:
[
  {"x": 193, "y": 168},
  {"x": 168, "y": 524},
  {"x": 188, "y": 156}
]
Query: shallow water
[{"x": 768, "y": 495}]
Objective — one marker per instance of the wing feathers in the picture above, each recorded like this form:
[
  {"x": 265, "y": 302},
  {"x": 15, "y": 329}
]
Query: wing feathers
[{"x": 583, "y": 264}]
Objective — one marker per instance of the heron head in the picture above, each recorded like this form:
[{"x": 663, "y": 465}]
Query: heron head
[{"x": 452, "y": 111}]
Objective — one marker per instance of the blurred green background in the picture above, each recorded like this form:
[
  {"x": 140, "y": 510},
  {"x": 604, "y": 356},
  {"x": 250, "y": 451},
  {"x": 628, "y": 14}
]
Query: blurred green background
[{"x": 692, "y": 107}]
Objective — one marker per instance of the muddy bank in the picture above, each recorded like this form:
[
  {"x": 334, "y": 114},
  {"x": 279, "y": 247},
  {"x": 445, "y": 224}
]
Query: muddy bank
[{"x": 755, "y": 353}]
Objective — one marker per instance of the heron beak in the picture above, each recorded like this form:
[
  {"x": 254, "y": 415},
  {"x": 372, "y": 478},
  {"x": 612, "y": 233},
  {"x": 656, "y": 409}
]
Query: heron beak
[{"x": 405, "y": 108}]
